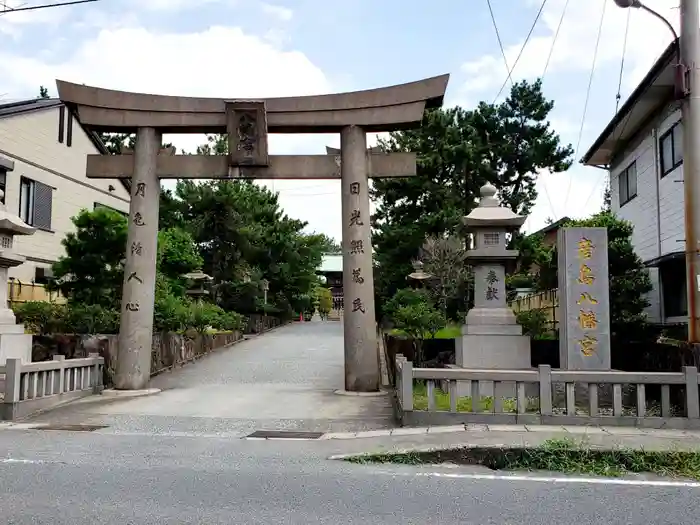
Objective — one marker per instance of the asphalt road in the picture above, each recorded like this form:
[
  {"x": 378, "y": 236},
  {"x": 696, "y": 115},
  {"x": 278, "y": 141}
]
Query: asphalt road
[{"x": 57, "y": 478}]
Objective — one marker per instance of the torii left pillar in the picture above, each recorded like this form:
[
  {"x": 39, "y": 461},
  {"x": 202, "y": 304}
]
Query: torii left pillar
[{"x": 136, "y": 327}]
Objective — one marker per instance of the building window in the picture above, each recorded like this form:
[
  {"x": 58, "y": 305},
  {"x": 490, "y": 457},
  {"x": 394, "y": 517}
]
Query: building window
[
  {"x": 627, "y": 180},
  {"x": 671, "y": 149},
  {"x": 3, "y": 185},
  {"x": 35, "y": 203}
]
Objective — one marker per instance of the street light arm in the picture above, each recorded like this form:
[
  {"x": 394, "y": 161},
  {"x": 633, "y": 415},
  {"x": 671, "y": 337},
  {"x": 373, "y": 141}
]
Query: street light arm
[{"x": 657, "y": 15}]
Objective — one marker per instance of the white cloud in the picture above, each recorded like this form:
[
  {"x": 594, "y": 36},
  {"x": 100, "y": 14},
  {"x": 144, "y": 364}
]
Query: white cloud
[
  {"x": 13, "y": 23},
  {"x": 177, "y": 5},
  {"x": 277, "y": 11},
  {"x": 190, "y": 64},
  {"x": 573, "y": 54},
  {"x": 575, "y": 43}
]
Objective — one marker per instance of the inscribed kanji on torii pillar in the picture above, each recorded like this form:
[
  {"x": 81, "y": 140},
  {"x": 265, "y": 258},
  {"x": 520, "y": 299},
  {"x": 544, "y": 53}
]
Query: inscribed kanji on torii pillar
[{"x": 584, "y": 303}]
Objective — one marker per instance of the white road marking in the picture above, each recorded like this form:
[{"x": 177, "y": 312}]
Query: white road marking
[
  {"x": 24, "y": 461},
  {"x": 547, "y": 479}
]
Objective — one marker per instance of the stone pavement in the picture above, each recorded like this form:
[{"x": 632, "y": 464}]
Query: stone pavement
[{"x": 283, "y": 379}]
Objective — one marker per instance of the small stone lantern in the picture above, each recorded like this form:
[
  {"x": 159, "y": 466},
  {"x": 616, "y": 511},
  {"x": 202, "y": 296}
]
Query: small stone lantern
[
  {"x": 200, "y": 280},
  {"x": 491, "y": 336},
  {"x": 14, "y": 343},
  {"x": 419, "y": 275},
  {"x": 265, "y": 288}
]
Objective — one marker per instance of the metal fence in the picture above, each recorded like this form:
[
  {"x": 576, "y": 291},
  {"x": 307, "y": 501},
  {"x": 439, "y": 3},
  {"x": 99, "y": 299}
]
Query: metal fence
[
  {"x": 33, "y": 387},
  {"x": 604, "y": 396}
]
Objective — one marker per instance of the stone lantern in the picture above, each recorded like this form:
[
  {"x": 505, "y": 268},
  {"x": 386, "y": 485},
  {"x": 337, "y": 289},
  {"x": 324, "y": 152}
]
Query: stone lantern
[
  {"x": 419, "y": 275},
  {"x": 491, "y": 336},
  {"x": 265, "y": 288},
  {"x": 200, "y": 280},
  {"x": 14, "y": 343}
]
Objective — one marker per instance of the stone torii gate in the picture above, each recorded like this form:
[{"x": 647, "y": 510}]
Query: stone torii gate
[{"x": 247, "y": 123}]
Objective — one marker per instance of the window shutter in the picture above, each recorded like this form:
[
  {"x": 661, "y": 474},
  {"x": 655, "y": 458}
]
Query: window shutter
[{"x": 43, "y": 203}]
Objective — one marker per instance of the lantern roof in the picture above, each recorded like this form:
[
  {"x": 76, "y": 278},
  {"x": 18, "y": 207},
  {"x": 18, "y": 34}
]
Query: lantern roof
[{"x": 490, "y": 214}]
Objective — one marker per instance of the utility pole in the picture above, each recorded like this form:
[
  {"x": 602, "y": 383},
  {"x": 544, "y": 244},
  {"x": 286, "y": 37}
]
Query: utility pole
[{"x": 690, "y": 68}]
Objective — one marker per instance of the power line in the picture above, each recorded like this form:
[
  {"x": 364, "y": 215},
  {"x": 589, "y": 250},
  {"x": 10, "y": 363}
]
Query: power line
[
  {"x": 500, "y": 42},
  {"x": 554, "y": 41},
  {"x": 527, "y": 39},
  {"x": 588, "y": 95},
  {"x": 618, "y": 96},
  {"x": 7, "y": 9},
  {"x": 510, "y": 70}
]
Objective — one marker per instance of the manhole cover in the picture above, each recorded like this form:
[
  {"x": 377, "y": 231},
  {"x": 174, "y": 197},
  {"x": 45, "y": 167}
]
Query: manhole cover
[
  {"x": 284, "y": 434},
  {"x": 71, "y": 428}
]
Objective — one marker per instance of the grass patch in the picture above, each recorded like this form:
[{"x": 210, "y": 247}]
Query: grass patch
[
  {"x": 449, "y": 332},
  {"x": 555, "y": 455},
  {"x": 464, "y": 404}
]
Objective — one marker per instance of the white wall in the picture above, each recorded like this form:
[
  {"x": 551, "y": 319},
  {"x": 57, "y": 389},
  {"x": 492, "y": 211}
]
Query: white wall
[
  {"x": 657, "y": 211},
  {"x": 671, "y": 196},
  {"x": 31, "y": 141}
]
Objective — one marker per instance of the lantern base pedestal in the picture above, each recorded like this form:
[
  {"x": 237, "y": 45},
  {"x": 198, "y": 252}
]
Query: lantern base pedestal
[
  {"x": 14, "y": 343},
  {"x": 494, "y": 347}
]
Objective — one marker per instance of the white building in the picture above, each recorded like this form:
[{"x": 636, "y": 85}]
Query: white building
[
  {"x": 642, "y": 149},
  {"x": 43, "y": 152}
]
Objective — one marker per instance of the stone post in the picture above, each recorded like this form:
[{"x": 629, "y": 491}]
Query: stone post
[
  {"x": 136, "y": 327},
  {"x": 361, "y": 362},
  {"x": 14, "y": 343}
]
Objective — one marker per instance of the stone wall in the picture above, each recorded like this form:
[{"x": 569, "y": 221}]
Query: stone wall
[
  {"x": 258, "y": 323},
  {"x": 169, "y": 350}
]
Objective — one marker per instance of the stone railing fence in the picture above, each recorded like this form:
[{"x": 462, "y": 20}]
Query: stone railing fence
[
  {"x": 33, "y": 387},
  {"x": 609, "y": 398}
]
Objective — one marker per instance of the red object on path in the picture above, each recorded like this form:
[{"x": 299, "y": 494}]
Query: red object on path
[{"x": 301, "y": 318}]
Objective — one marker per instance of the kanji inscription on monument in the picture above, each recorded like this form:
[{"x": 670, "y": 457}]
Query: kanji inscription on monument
[{"x": 584, "y": 303}]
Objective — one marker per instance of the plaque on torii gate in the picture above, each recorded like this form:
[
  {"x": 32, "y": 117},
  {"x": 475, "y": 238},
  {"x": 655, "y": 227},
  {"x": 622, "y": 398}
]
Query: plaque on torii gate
[{"x": 247, "y": 124}]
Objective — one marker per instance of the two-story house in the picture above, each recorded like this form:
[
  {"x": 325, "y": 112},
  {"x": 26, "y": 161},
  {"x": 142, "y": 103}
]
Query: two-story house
[
  {"x": 43, "y": 155},
  {"x": 642, "y": 150}
]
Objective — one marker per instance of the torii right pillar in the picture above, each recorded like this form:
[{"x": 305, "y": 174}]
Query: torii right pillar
[{"x": 361, "y": 359}]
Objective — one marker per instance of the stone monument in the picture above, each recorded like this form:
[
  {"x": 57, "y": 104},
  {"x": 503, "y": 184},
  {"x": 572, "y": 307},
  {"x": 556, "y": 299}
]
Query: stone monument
[
  {"x": 491, "y": 336},
  {"x": 14, "y": 343},
  {"x": 584, "y": 299}
]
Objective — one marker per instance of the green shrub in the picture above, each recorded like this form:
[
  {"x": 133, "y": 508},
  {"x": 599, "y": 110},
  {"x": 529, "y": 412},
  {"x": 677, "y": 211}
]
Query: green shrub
[
  {"x": 534, "y": 322},
  {"x": 325, "y": 301},
  {"x": 40, "y": 317},
  {"x": 406, "y": 297},
  {"x": 91, "y": 319},
  {"x": 419, "y": 321},
  {"x": 231, "y": 321},
  {"x": 203, "y": 316},
  {"x": 171, "y": 314}
]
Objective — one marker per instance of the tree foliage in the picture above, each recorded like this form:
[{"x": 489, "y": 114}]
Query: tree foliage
[
  {"x": 244, "y": 237},
  {"x": 92, "y": 270},
  {"x": 629, "y": 279},
  {"x": 444, "y": 258},
  {"x": 505, "y": 144}
]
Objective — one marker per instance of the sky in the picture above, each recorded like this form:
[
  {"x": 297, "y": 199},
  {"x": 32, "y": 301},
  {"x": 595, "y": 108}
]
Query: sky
[{"x": 255, "y": 49}]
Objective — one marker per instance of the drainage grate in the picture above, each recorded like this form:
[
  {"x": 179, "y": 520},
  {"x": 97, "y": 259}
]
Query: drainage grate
[
  {"x": 284, "y": 434},
  {"x": 71, "y": 428}
]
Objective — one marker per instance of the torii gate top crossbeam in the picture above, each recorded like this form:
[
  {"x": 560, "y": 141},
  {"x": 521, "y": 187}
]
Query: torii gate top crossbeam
[{"x": 376, "y": 110}]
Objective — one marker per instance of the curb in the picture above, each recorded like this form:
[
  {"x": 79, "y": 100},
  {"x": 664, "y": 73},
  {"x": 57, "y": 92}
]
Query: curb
[{"x": 403, "y": 431}]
